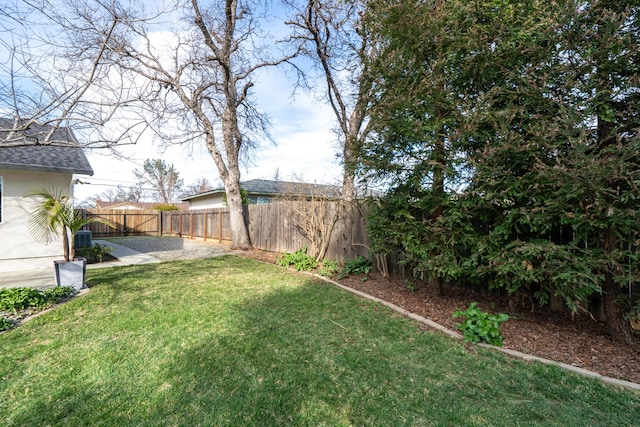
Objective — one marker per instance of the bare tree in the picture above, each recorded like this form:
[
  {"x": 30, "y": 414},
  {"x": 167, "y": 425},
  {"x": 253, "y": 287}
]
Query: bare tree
[
  {"x": 188, "y": 80},
  {"x": 200, "y": 185},
  {"x": 58, "y": 72},
  {"x": 317, "y": 210},
  {"x": 122, "y": 193},
  {"x": 202, "y": 77},
  {"x": 335, "y": 40}
]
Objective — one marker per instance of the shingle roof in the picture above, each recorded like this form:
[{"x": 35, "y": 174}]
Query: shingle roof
[
  {"x": 264, "y": 187},
  {"x": 102, "y": 204},
  {"x": 62, "y": 155}
]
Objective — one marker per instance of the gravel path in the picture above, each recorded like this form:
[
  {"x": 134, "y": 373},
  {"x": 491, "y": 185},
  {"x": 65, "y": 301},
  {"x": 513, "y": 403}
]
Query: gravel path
[{"x": 173, "y": 248}]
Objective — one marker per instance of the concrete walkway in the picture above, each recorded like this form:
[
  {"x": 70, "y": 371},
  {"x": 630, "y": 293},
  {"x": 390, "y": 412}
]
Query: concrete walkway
[{"x": 43, "y": 279}]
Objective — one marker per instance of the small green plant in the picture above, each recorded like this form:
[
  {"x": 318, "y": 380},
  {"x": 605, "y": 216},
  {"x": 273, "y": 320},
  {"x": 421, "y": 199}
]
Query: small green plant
[
  {"x": 17, "y": 299},
  {"x": 95, "y": 253},
  {"x": 299, "y": 259},
  {"x": 480, "y": 326},
  {"x": 14, "y": 299},
  {"x": 410, "y": 285},
  {"x": 59, "y": 293},
  {"x": 360, "y": 265},
  {"x": 328, "y": 268},
  {"x": 5, "y": 324}
]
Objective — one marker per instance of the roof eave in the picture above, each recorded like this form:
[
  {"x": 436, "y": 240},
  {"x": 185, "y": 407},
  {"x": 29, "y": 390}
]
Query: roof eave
[{"x": 37, "y": 168}]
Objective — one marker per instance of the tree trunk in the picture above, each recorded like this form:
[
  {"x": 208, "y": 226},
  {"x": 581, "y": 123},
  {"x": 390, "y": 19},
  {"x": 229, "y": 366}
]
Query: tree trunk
[
  {"x": 349, "y": 156},
  {"x": 239, "y": 233},
  {"x": 437, "y": 187},
  {"x": 348, "y": 186},
  {"x": 68, "y": 255},
  {"x": 618, "y": 327}
]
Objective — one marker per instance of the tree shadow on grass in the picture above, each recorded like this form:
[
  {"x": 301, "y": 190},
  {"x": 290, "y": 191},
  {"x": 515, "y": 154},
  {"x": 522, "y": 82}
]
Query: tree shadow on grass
[{"x": 314, "y": 355}]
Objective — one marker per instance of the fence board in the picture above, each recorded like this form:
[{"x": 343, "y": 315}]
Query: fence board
[
  {"x": 126, "y": 222},
  {"x": 273, "y": 227}
]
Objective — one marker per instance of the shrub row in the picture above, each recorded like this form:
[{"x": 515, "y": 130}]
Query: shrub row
[
  {"x": 15, "y": 300},
  {"x": 301, "y": 261}
]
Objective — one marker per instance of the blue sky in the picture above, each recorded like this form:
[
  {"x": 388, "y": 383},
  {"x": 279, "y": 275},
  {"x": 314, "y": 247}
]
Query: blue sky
[{"x": 305, "y": 146}]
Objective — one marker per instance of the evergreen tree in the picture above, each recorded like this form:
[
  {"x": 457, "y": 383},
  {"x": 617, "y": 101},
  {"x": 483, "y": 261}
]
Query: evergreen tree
[{"x": 533, "y": 107}]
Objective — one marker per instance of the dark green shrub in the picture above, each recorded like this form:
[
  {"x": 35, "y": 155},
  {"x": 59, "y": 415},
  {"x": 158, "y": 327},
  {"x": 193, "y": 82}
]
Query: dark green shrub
[
  {"x": 360, "y": 265},
  {"x": 95, "y": 253},
  {"x": 480, "y": 326},
  {"x": 299, "y": 259}
]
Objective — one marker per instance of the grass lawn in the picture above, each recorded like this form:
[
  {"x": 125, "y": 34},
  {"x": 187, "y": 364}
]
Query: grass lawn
[{"x": 231, "y": 341}]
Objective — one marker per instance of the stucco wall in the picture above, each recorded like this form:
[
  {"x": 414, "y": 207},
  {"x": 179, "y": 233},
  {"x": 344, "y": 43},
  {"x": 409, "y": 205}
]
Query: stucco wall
[
  {"x": 18, "y": 249},
  {"x": 207, "y": 202}
]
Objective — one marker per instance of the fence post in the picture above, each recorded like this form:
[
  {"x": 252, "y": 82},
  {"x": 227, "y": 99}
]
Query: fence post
[
  {"x": 124, "y": 223},
  {"x": 220, "y": 226},
  {"x": 180, "y": 223},
  {"x": 160, "y": 223},
  {"x": 204, "y": 226},
  {"x": 191, "y": 225}
]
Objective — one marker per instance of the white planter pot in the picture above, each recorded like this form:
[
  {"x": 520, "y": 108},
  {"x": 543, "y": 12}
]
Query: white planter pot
[{"x": 71, "y": 273}]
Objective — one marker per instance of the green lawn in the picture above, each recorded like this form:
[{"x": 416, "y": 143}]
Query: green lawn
[{"x": 230, "y": 341}]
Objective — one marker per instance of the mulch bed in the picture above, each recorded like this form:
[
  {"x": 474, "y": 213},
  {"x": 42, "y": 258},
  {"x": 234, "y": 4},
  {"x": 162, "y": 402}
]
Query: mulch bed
[{"x": 580, "y": 341}]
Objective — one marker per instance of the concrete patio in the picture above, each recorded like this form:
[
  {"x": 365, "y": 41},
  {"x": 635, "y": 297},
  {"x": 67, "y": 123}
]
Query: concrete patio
[{"x": 43, "y": 279}]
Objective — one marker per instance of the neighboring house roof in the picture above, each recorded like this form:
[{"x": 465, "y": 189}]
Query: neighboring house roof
[
  {"x": 264, "y": 187},
  {"x": 101, "y": 204},
  {"x": 63, "y": 154}
]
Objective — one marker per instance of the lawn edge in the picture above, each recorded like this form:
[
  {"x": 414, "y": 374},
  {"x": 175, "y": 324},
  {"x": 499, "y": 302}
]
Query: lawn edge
[
  {"x": 438, "y": 327},
  {"x": 511, "y": 353},
  {"x": 28, "y": 318}
]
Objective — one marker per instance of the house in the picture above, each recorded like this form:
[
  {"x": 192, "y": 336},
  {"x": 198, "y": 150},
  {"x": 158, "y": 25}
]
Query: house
[
  {"x": 101, "y": 204},
  {"x": 261, "y": 191},
  {"x": 27, "y": 165}
]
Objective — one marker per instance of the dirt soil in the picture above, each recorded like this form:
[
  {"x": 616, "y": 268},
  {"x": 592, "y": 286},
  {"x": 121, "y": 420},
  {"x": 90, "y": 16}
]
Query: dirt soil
[{"x": 580, "y": 341}]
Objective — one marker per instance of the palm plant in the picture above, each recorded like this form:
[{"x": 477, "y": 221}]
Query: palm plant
[{"x": 54, "y": 217}]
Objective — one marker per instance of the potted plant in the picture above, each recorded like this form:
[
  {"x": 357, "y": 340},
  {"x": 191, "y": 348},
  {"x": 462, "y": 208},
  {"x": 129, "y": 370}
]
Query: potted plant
[{"x": 54, "y": 217}]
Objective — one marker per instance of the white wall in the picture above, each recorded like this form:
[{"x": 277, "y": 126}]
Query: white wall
[
  {"x": 19, "y": 251},
  {"x": 207, "y": 202}
]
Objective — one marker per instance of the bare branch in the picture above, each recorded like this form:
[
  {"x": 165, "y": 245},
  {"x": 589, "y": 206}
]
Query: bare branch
[{"x": 334, "y": 38}]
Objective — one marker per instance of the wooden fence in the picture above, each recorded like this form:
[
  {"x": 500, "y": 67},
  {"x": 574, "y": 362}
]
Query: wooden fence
[
  {"x": 126, "y": 222},
  {"x": 276, "y": 227},
  {"x": 204, "y": 224}
]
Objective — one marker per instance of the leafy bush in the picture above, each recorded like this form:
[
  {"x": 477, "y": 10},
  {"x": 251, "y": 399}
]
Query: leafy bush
[
  {"x": 59, "y": 293},
  {"x": 95, "y": 253},
  {"x": 299, "y": 259},
  {"x": 5, "y": 324},
  {"x": 166, "y": 207},
  {"x": 14, "y": 299},
  {"x": 328, "y": 268},
  {"x": 480, "y": 326},
  {"x": 360, "y": 265}
]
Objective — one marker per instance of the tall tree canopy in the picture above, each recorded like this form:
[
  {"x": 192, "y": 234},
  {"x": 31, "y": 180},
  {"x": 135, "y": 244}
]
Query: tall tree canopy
[
  {"x": 508, "y": 131},
  {"x": 163, "y": 178}
]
